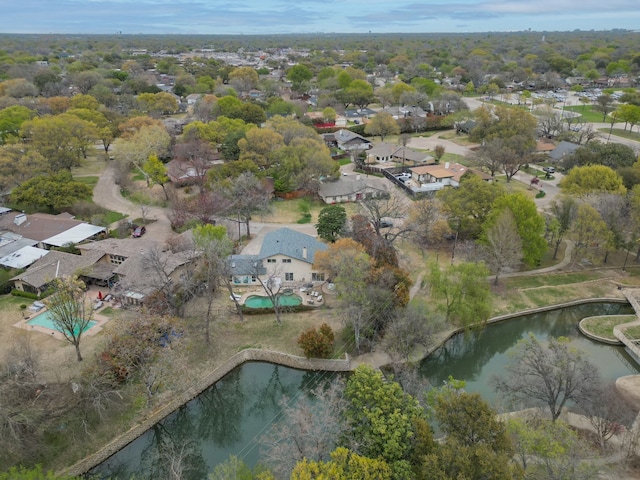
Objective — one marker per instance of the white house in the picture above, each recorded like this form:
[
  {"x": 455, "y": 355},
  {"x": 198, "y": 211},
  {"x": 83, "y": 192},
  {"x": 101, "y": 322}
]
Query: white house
[{"x": 286, "y": 256}]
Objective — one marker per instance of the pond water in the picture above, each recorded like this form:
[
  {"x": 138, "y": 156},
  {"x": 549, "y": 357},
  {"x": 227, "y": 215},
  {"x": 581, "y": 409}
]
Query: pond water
[
  {"x": 483, "y": 354},
  {"x": 230, "y": 417},
  {"x": 227, "y": 419}
]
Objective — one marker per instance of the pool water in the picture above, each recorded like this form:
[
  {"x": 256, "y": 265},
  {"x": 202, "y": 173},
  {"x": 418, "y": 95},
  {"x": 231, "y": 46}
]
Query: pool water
[
  {"x": 44, "y": 320},
  {"x": 258, "y": 301}
]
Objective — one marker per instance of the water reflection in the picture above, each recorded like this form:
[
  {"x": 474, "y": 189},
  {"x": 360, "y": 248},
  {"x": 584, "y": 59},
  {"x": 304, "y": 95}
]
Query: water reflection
[
  {"x": 483, "y": 354},
  {"x": 226, "y": 419},
  {"x": 230, "y": 417}
]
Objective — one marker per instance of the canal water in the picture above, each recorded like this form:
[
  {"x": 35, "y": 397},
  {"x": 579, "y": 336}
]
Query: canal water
[{"x": 230, "y": 417}]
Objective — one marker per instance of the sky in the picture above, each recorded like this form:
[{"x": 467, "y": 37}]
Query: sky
[{"x": 313, "y": 16}]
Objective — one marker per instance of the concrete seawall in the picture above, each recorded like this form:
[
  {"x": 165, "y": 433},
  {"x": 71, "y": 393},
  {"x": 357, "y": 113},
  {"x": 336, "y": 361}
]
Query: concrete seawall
[
  {"x": 248, "y": 355},
  {"x": 279, "y": 358}
]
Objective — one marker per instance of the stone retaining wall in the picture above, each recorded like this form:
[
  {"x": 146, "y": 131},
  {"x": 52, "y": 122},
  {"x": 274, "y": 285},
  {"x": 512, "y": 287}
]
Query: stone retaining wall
[
  {"x": 595, "y": 337},
  {"x": 248, "y": 355},
  {"x": 618, "y": 330},
  {"x": 279, "y": 358}
]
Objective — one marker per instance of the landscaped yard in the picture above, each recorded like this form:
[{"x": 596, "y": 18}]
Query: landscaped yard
[
  {"x": 602, "y": 326},
  {"x": 291, "y": 211}
]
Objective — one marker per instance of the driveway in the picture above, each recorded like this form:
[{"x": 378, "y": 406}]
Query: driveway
[
  {"x": 430, "y": 143},
  {"x": 107, "y": 194}
]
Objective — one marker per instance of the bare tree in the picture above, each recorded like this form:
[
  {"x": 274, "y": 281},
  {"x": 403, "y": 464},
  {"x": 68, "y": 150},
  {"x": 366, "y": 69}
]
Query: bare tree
[
  {"x": 411, "y": 328},
  {"x": 22, "y": 358},
  {"x": 214, "y": 247},
  {"x": 379, "y": 210},
  {"x": 428, "y": 224},
  {"x": 248, "y": 196},
  {"x": 608, "y": 413},
  {"x": 502, "y": 244},
  {"x": 70, "y": 310},
  {"x": 165, "y": 295},
  {"x": 550, "y": 122},
  {"x": 272, "y": 284},
  {"x": 551, "y": 374},
  {"x": 559, "y": 225},
  {"x": 309, "y": 428},
  {"x": 194, "y": 158},
  {"x": 144, "y": 211},
  {"x": 491, "y": 156}
]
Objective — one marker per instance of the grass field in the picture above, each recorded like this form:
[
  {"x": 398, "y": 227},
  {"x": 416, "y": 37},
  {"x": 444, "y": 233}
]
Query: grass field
[
  {"x": 602, "y": 326},
  {"x": 588, "y": 113},
  {"x": 90, "y": 180},
  {"x": 290, "y": 211},
  {"x": 619, "y": 132}
]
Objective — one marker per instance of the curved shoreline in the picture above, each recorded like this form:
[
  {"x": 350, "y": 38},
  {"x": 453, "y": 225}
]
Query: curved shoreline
[
  {"x": 509, "y": 316},
  {"x": 279, "y": 358},
  {"x": 244, "y": 356},
  {"x": 609, "y": 341}
]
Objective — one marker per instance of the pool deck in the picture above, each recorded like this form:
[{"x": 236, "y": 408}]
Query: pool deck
[
  {"x": 309, "y": 296},
  {"x": 100, "y": 320}
]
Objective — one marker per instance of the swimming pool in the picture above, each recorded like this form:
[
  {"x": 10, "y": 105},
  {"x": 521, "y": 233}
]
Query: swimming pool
[
  {"x": 44, "y": 320},
  {"x": 258, "y": 301}
]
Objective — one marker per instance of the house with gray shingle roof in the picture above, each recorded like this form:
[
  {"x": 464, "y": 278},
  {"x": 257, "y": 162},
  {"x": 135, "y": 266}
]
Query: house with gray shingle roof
[
  {"x": 563, "y": 149},
  {"x": 285, "y": 254},
  {"x": 347, "y": 140},
  {"x": 57, "y": 264},
  {"x": 347, "y": 189}
]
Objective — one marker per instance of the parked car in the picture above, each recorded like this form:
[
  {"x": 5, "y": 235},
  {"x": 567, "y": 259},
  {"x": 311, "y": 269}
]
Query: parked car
[
  {"x": 385, "y": 224},
  {"x": 549, "y": 169},
  {"x": 139, "y": 231}
]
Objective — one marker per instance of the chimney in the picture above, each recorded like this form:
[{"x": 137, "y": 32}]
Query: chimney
[
  {"x": 304, "y": 252},
  {"x": 20, "y": 219},
  {"x": 446, "y": 165}
]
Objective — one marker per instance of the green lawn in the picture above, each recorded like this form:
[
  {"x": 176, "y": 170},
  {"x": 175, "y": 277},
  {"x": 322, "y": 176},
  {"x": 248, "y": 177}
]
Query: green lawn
[
  {"x": 549, "y": 280},
  {"x": 632, "y": 332},
  {"x": 110, "y": 217},
  {"x": 602, "y": 326},
  {"x": 12, "y": 302},
  {"x": 90, "y": 180},
  {"x": 587, "y": 113},
  {"x": 619, "y": 132}
]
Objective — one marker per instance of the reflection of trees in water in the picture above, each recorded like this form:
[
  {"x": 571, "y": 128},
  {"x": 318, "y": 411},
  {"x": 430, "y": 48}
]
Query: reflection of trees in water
[
  {"x": 312, "y": 380},
  {"x": 112, "y": 470},
  {"x": 174, "y": 451},
  {"x": 625, "y": 359},
  {"x": 467, "y": 355},
  {"x": 221, "y": 410},
  {"x": 267, "y": 398}
]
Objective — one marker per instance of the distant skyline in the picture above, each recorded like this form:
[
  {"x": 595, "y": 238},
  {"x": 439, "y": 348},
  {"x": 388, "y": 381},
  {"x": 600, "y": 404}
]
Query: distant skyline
[{"x": 313, "y": 16}]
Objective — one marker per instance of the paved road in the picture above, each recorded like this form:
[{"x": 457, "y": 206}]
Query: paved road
[{"x": 107, "y": 194}]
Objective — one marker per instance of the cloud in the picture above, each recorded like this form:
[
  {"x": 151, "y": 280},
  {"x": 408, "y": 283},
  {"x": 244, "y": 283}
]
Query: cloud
[{"x": 283, "y": 16}]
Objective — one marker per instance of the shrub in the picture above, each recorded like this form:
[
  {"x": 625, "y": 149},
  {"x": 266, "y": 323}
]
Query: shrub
[
  {"x": 19, "y": 293},
  {"x": 317, "y": 343}
]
